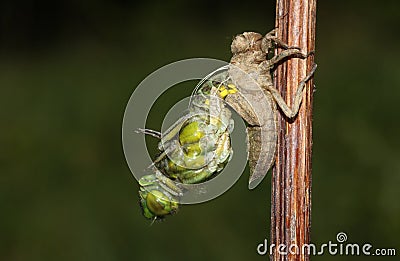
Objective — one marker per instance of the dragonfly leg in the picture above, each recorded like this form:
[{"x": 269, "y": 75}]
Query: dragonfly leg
[
  {"x": 268, "y": 65},
  {"x": 291, "y": 112},
  {"x": 153, "y": 133},
  {"x": 270, "y": 40}
]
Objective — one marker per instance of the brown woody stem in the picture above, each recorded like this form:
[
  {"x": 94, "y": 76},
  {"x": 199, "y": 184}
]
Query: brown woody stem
[{"x": 291, "y": 180}]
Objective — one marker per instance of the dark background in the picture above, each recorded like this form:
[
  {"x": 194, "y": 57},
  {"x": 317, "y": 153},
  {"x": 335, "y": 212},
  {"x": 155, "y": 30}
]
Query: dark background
[{"x": 67, "y": 70}]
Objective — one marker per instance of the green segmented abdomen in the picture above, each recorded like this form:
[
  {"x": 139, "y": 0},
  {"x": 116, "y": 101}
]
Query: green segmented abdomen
[
  {"x": 204, "y": 144},
  {"x": 191, "y": 133}
]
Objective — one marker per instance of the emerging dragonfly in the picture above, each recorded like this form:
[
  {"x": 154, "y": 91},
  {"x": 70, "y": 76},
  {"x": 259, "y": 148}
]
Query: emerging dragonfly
[
  {"x": 197, "y": 147},
  {"x": 193, "y": 150}
]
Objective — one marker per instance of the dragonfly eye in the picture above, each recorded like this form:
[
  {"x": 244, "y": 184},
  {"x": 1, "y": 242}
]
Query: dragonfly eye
[
  {"x": 157, "y": 203},
  {"x": 155, "y": 200}
]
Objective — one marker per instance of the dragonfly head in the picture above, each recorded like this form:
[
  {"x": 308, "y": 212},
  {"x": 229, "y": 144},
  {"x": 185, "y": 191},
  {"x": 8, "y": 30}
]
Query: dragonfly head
[
  {"x": 247, "y": 41},
  {"x": 155, "y": 201}
]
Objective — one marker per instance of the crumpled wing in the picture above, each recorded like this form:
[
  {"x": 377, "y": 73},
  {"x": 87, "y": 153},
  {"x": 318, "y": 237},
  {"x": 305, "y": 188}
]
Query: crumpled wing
[{"x": 258, "y": 109}]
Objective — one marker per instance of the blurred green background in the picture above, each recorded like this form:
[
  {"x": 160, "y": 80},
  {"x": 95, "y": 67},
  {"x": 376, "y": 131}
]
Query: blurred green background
[{"x": 67, "y": 70}]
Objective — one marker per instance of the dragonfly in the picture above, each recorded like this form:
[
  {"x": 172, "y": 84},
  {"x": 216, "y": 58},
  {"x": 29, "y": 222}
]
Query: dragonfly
[
  {"x": 197, "y": 147},
  {"x": 193, "y": 150}
]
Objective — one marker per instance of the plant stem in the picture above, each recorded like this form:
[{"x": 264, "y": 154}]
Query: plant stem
[{"x": 291, "y": 180}]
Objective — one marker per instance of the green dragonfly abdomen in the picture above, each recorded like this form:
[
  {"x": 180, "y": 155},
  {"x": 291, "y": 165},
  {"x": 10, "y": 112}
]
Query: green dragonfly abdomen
[
  {"x": 222, "y": 154},
  {"x": 202, "y": 165},
  {"x": 191, "y": 133},
  {"x": 202, "y": 147}
]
